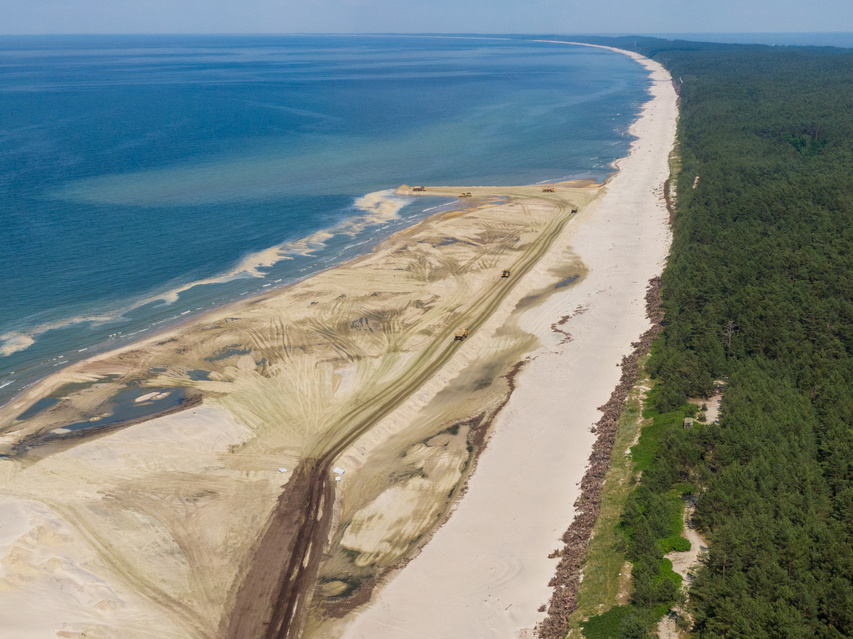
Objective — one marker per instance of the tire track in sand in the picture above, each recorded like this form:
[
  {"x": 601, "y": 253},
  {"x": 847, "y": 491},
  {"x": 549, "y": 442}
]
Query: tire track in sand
[{"x": 271, "y": 602}]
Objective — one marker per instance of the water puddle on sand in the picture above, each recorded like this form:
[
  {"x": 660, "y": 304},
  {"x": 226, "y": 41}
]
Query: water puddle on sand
[
  {"x": 228, "y": 352},
  {"x": 126, "y": 407},
  {"x": 566, "y": 282},
  {"x": 42, "y": 404}
]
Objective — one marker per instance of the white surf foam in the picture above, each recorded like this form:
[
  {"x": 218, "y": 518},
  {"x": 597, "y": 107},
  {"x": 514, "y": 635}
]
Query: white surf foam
[
  {"x": 14, "y": 342},
  {"x": 380, "y": 207}
]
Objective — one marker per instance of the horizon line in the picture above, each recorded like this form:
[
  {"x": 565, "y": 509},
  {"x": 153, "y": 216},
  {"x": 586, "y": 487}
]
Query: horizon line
[{"x": 656, "y": 34}]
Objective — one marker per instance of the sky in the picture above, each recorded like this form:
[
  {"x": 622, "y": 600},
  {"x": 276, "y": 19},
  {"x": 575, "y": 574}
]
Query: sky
[{"x": 424, "y": 16}]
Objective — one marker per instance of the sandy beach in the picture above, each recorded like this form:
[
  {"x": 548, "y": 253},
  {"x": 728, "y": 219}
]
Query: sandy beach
[
  {"x": 276, "y": 463},
  {"x": 486, "y": 571}
]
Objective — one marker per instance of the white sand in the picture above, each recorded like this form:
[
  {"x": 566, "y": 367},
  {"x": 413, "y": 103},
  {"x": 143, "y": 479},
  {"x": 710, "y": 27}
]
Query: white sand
[
  {"x": 485, "y": 572},
  {"x": 73, "y": 566}
]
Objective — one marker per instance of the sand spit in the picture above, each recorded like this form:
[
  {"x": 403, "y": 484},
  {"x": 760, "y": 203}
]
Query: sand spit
[
  {"x": 125, "y": 525},
  {"x": 486, "y": 572}
]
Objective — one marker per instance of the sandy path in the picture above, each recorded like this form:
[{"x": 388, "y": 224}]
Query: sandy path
[
  {"x": 667, "y": 629},
  {"x": 683, "y": 562},
  {"x": 485, "y": 573}
]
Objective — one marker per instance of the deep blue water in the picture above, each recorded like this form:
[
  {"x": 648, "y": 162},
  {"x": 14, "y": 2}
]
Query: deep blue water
[{"x": 133, "y": 167}]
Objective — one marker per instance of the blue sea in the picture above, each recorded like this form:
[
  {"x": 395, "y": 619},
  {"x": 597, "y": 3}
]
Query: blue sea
[{"x": 145, "y": 180}]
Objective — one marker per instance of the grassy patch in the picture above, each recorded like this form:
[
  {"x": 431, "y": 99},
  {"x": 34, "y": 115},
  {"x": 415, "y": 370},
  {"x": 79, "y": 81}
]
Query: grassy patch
[
  {"x": 658, "y": 425},
  {"x": 675, "y": 542},
  {"x": 606, "y": 577},
  {"x": 606, "y": 626},
  {"x": 642, "y": 519}
]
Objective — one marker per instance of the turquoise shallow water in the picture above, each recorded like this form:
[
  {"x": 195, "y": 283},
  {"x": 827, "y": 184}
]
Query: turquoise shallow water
[{"x": 147, "y": 179}]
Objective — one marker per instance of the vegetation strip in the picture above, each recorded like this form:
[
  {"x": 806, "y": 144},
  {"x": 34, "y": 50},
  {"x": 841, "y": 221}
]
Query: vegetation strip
[
  {"x": 651, "y": 522},
  {"x": 576, "y": 538},
  {"x": 758, "y": 291}
]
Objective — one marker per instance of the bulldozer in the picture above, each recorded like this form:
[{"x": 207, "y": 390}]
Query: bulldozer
[
  {"x": 505, "y": 273},
  {"x": 461, "y": 334}
]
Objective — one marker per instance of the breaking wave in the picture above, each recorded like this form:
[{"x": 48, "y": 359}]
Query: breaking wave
[{"x": 376, "y": 209}]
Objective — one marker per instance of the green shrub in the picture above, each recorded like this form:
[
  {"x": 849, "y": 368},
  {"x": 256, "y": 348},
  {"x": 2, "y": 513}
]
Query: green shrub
[
  {"x": 674, "y": 543},
  {"x": 607, "y": 625}
]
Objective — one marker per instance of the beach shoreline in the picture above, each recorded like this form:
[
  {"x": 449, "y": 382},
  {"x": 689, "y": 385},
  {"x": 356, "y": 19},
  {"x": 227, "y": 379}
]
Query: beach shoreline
[
  {"x": 274, "y": 375},
  {"x": 295, "y": 375},
  {"x": 374, "y": 208}
]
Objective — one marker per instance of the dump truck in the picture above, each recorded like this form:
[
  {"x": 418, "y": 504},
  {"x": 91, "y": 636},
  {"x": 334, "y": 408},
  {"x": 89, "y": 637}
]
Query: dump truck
[
  {"x": 549, "y": 189},
  {"x": 468, "y": 194},
  {"x": 419, "y": 188},
  {"x": 505, "y": 273},
  {"x": 461, "y": 334}
]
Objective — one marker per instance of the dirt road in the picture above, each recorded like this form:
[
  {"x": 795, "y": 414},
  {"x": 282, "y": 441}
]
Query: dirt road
[{"x": 285, "y": 563}]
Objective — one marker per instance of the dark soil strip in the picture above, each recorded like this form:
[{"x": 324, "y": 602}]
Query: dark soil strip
[
  {"x": 284, "y": 566},
  {"x": 565, "y": 583}
]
